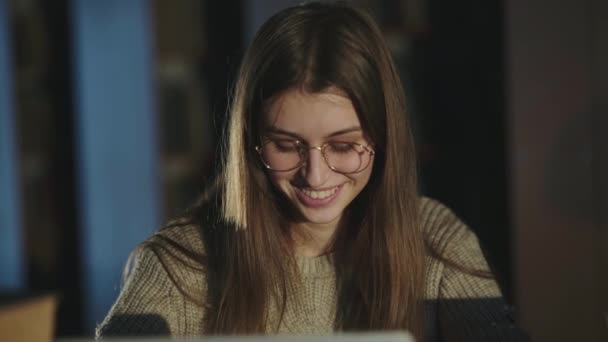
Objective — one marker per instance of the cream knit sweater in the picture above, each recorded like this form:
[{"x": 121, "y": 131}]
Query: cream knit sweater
[{"x": 460, "y": 306}]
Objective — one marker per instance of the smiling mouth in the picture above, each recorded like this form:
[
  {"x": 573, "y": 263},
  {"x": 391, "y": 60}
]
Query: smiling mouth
[
  {"x": 318, "y": 198},
  {"x": 320, "y": 194}
]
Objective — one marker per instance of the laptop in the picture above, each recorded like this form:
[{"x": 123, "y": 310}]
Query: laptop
[
  {"x": 27, "y": 317},
  {"x": 347, "y": 337}
]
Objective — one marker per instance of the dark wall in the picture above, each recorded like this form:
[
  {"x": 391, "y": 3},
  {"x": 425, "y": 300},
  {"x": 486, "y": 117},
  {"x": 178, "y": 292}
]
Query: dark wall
[{"x": 558, "y": 86}]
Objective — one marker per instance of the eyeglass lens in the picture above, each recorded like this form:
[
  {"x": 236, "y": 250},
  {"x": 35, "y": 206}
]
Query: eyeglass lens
[{"x": 285, "y": 155}]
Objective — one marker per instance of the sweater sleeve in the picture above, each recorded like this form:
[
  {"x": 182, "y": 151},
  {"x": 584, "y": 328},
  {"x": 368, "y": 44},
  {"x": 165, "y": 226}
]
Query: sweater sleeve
[
  {"x": 144, "y": 305},
  {"x": 470, "y": 307}
]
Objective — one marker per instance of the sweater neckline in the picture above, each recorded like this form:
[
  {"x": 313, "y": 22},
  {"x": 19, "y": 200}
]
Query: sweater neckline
[{"x": 311, "y": 266}]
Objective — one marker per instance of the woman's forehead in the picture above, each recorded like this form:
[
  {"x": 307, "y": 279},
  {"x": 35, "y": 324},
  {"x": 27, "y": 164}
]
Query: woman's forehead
[{"x": 311, "y": 115}]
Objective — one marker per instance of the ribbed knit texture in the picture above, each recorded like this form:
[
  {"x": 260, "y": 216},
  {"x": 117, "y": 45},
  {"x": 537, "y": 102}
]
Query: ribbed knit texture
[{"x": 460, "y": 306}]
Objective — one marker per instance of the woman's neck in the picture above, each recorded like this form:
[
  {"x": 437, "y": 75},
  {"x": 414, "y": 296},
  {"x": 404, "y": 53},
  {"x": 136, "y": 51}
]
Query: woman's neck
[{"x": 313, "y": 239}]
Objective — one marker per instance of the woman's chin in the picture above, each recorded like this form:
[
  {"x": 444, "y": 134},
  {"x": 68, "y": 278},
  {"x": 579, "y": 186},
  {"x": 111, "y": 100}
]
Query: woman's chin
[{"x": 313, "y": 216}]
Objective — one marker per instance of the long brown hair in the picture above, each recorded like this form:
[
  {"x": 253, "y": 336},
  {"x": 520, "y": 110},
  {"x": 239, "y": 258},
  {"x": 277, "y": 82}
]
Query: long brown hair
[
  {"x": 315, "y": 46},
  {"x": 248, "y": 260}
]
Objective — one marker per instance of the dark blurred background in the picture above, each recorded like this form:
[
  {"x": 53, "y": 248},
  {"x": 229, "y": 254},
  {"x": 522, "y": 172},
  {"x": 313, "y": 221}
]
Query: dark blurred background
[{"x": 110, "y": 113}]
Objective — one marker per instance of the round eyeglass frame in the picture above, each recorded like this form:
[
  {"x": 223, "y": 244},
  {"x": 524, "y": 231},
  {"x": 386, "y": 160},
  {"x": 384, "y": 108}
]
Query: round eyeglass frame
[{"x": 304, "y": 147}]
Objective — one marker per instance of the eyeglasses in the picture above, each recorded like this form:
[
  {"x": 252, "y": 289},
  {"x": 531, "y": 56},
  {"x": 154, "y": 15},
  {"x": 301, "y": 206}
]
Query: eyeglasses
[{"x": 286, "y": 155}]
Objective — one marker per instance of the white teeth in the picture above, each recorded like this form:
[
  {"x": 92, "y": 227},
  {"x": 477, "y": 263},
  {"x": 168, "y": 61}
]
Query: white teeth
[{"x": 319, "y": 194}]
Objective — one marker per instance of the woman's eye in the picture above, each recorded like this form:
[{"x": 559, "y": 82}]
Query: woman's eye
[
  {"x": 341, "y": 147},
  {"x": 285, "y": 146}
]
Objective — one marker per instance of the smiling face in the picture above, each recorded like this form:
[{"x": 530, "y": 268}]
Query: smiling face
[{"x": 318, "y": 192}]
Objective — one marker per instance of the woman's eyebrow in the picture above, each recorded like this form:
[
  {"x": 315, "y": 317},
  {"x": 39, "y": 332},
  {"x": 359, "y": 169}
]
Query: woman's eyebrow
[
  {"x": 344, "y": 131},
  {"x": 276, "y": 130}
]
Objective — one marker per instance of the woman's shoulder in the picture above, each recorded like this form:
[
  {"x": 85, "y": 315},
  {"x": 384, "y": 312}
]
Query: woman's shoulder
[
  {"x": 464, "y": 293},
  {"x": 164, "y": 280},
  {"x": 441, "y": 227},
  {"x": 178, "y": 236},
  {"x": 435, "y": 218},
  {"x": 179, "y": 249}
]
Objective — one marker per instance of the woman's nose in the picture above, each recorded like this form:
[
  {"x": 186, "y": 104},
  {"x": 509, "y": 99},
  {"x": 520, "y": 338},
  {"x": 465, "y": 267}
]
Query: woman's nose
[{"x": 316, "y": 171}]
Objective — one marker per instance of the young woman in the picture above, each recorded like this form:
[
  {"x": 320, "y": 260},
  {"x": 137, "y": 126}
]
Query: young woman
[{"x": 315, "y": 224}]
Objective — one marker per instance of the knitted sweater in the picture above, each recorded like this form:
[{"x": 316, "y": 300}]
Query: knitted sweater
[{"x": 460, "y": 306}]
